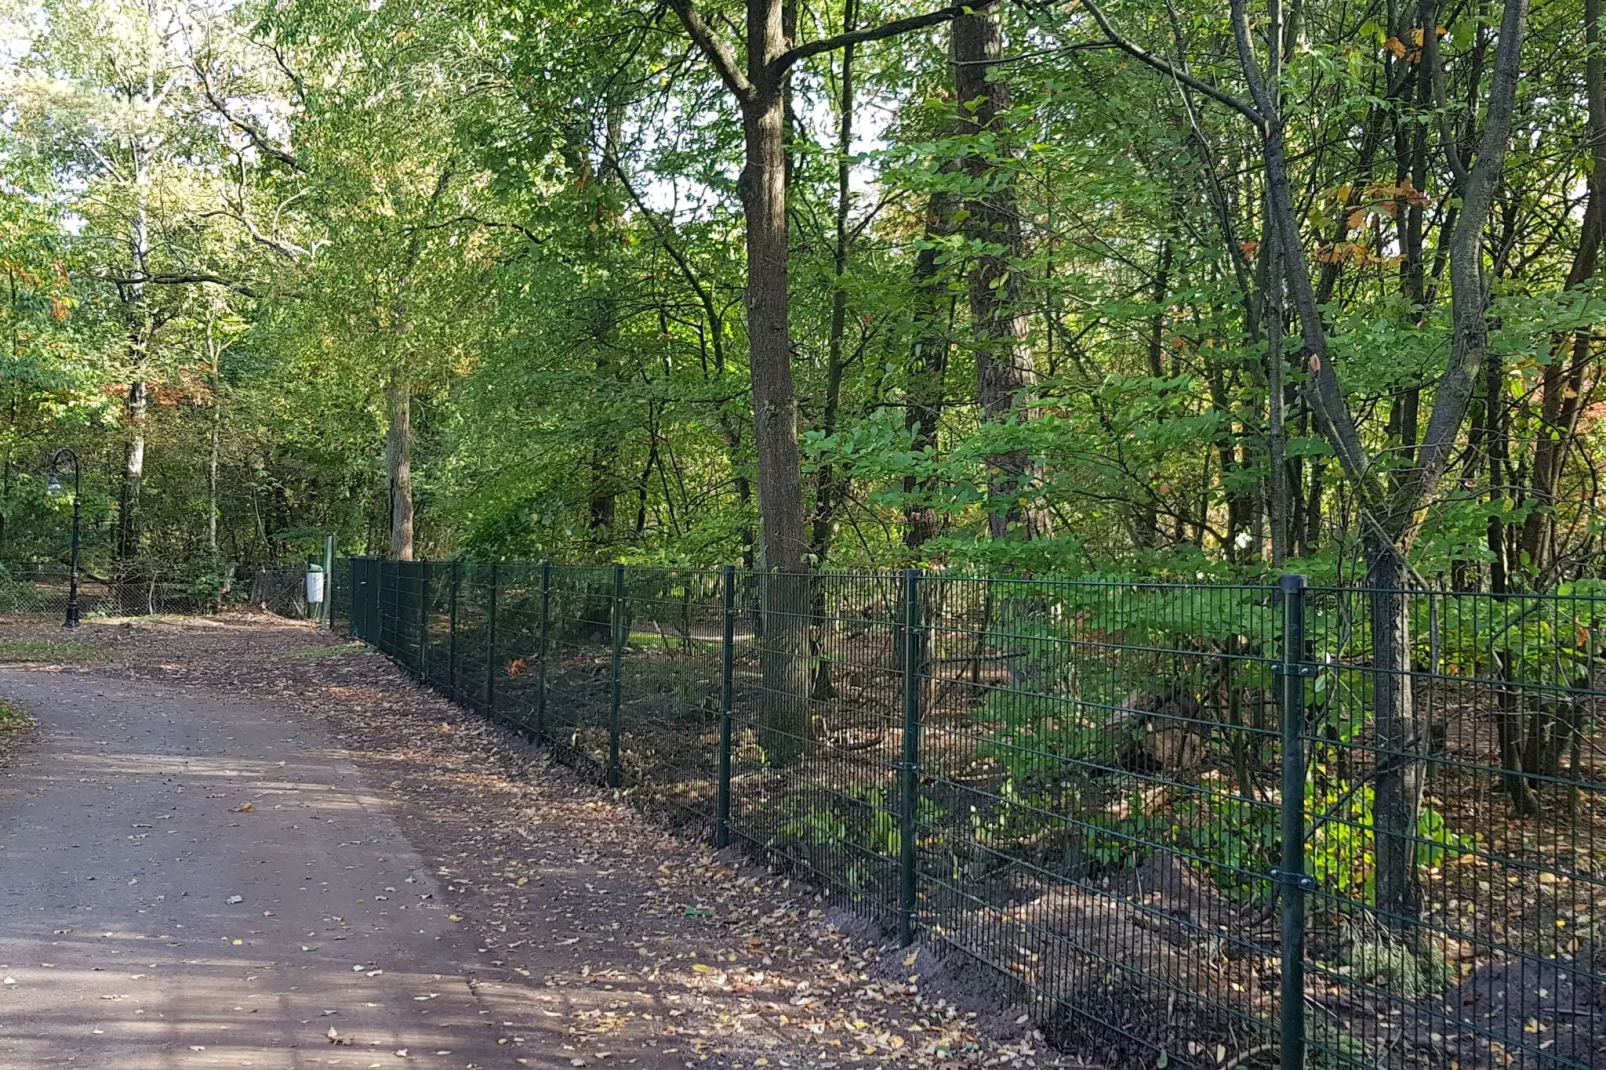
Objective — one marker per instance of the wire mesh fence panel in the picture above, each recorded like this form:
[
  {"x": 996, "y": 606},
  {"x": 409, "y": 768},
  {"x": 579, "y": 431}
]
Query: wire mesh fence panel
[
  {"x": 670, "y": 688},
  {"x": 1099, "y": 815},
  {"x": 341, "y": 600},
  {"x": 32, "y": 590},
  {"x": 817, "y": 729},
  {"x": 281, "y": 591},
  {"x": 1454, "y": 830},
  {"x": 579, "y": 664},
  {"x": 515, "y": 690},
  {"x": 1153, "y": 809},
  {"x": 471, "y": 672},
  {"x": 435, "y": 646}
]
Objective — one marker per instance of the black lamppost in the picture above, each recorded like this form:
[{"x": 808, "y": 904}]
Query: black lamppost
[{"x": 67, "y": 452}]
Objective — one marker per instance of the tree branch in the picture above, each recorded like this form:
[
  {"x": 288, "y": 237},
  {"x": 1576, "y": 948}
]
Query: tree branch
[
  {"x": 1144, "y": 56},
  {"x": 1468, "y": 293},
  {"x": 180, "y": 279},
  {"x": 249, "y": 129},
  {"x": 1328, "y": 402},
  {"x": 531, "y": 236},
  {"x": 874, "y": 33},
  {"x": 715, "y": 48}
]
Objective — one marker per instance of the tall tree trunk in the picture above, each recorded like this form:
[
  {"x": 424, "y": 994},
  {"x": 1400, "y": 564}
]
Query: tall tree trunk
[
  {"x": 399, "y": 463},
  {"x": 1563, "y": 382},
  {"x": 928, "y": 366},
  {"x": 1391, "y": 510},
  {"x": 1005, "y": 374},
  {"x": 136, "y": 408},
  {"x": 211, "y": 480},
  {"x": 828, "y": 490},
  {"x": 783, "y": 542},
  {"x": 1146, "y": 528},
  {"x": 1400, "y": 776},
  {"x": 761, "y": 91},
  {"x": 763, "y": 188},
  {"x": 215, "y": 440},
  {"x": 137, "y": 400},
  {"x": 1276, "y": 410},
  {"x": 601, "y": 237}
]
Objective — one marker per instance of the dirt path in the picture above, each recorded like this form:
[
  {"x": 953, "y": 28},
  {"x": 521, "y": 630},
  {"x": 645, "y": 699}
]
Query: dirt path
[
  {"x": 189, "y": 881},
  {"x": 546, "y": 923}
]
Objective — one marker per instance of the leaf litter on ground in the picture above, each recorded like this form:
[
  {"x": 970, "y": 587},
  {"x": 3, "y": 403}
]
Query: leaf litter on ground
[{"x": 598, "y": 930}]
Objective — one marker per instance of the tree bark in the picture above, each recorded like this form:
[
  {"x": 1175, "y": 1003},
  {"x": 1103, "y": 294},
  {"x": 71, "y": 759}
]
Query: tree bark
[
  {"x": 1391, "y": 513},
  {"x": 928, "y": 367},
  {"x": 1397, "y": 797},
  {"x": 136, "y": 407},
  {"x": 216, "y": 438},
  {"x": 399, "y": 463},
  {"x": 760, "y": 90},
  {"x": 137, "y": 400},
  {"x": 828, "y": 491},
  {"x": 1005, "y": 373},
  {"x": 604, "y": 460},
  {"x": 1563, "y": 382},
  {"x": 1276, "y": 412}
]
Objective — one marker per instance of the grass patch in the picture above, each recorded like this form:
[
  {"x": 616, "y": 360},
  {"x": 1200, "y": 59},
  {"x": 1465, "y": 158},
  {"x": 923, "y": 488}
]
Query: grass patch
[
  {"x": 304, "y": 653},
  {"x": 13, "y": 718},
  {"x": 45, "y": 650}
]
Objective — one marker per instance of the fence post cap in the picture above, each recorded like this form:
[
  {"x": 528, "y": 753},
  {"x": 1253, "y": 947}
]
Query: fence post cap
[{"x": 1294, "y": 582}]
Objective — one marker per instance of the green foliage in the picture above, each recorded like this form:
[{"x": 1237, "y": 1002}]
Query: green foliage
[
  {"x": 13, "y": 718},
  {"x": 208, "y": 579},
  {"x": 46, "y": 650},
  {"x": 1399, "y": 971}
]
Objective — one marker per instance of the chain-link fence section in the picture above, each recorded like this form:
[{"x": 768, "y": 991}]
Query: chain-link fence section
[
  {"x": 44, "y": 590},
  {"x": 1156, "y": 810}
]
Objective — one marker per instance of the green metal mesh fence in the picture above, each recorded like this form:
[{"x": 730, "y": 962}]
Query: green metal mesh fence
[{"x": 1153, "y": 809}]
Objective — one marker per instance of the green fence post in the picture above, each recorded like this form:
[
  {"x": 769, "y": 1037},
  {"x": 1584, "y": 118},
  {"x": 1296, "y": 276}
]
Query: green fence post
[
  {"x": 380, "y": 572},
  {"x": 614, "y": 771},
  {"x": 423, "y": 621},
  {"x": 540, "y": 663},
  {"x": 386, "y": 607},
  {"x": 909, "y": 767},
  {"x": 1291, "y": 873},
  {"x": 722, "y": 799},
  {"x": 451, "y": 642},
  {"x": 353, "y": 629},
  {"x": 490, "y": 646},
  {"x": 328, "y": 613}
]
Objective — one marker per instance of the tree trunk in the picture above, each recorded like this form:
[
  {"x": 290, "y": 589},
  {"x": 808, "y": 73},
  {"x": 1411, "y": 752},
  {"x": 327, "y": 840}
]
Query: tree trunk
[
  {"x": 761, "y": 91},
  {"x": 1392, "y": 512},
  {"x": 601, "y": 236},
  {"x": 211, "y": 475},
  {"x": 1276, "y": 411},
  {"x": 782, "y": 539},
  {"x": 1399, "y": 779},
  {"x": 1563, "y": 383},
  {"x": 928, "y": 367},
  {"x": 1004, "y": 370},
  {"x": 136, "y": 407},
  {"x": 828, "y": 491},
  {"x": 1146, "y": 525},
  {"x": 214, "y": 355},
  {"x": 137, "y": 402},
  {"x": 399, "y": 464}
]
